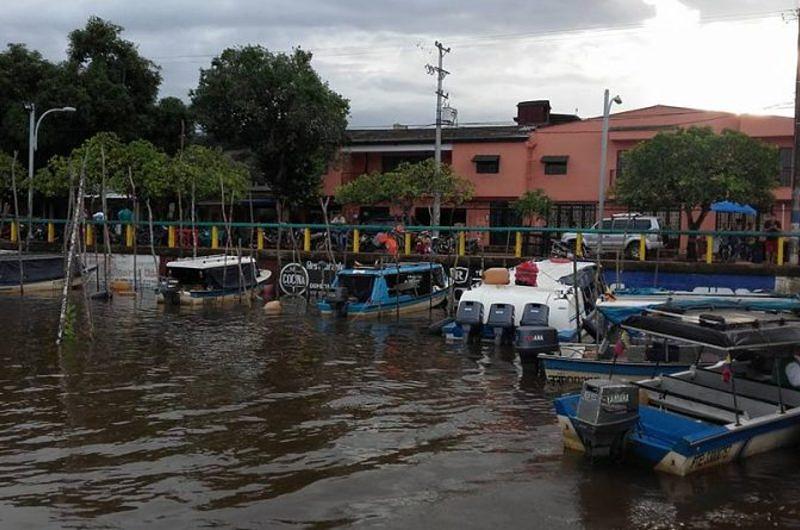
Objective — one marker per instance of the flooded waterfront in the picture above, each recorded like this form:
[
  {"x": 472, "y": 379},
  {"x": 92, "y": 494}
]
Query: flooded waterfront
[{"x": 187, "y": 419}]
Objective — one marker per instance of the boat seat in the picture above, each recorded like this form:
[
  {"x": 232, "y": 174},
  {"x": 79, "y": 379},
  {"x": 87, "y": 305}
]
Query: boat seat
[
  {"x": 676, "y": 401},
  {"x": 767, "y": 393},
  {"x": 717, "y": 397}
]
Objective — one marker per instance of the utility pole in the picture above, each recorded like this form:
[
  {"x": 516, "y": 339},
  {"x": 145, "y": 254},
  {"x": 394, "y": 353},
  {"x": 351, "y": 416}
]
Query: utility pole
[
  {"x": 440, "y": 73},
  {"x": 793, "y": 247},
  {"x": 601, "y": 196}
]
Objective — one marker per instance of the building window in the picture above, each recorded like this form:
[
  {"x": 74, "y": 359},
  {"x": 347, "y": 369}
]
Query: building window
[
  {"x": 787, "y": 161},
  {"x": 487, "y": 163},
  {"x": 389, "y": 162},
  {"x": 620, "y": 166},
  {"x": 555, "y": 165}
]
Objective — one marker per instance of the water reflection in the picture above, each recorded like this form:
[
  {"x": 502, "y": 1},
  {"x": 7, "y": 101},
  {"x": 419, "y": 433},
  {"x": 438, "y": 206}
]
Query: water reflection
[{"x": 236, "y": 418}]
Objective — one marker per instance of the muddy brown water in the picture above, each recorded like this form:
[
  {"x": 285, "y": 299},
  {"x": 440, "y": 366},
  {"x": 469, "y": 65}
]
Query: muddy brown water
[{"x": 236, "y": 419}]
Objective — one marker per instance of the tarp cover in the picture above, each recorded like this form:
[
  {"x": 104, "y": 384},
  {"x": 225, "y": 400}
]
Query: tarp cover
[
  {"x": 35, "y": 268},
  {"x": 228, "y": 277},
  {"x": 732, "y": 207},
  {"x": 618, "y": 313}
]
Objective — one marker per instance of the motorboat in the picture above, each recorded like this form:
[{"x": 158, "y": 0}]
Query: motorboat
[
  {"x": 701, "y": 417},
  {"x": 210, "y": 279},
  {"x": 41, "y": 273},
  {"x": 386, "y": 289}
]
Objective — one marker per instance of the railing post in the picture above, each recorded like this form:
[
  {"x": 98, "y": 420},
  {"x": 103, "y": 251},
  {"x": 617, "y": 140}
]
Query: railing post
[
  {"x": 356, "y": 241},
  {"x": 89, "y": 229},
  {"x": 579, "y": 245},
  {"x": 462, "y": 243},
  {"x": 260, "y": 238},
  {"x": 781, "y": 241},
  {"x": 14, "y": 231},
  {"x": 214, "y": 237},
  {"x": 709, "y": 249},
  {"x": 51, "y": 233},
  {"x": 307, "y": 240},
  {"x": 129, "y": 235},
  {"x": 407, "y": 243},
  {"x": 642, "y": 248},
  {"x": 518, "y": 246},
  {"x": 171, "y": 237}
]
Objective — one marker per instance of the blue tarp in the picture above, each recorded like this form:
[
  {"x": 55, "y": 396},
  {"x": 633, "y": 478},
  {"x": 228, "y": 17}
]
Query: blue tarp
[
  {"x": 732, "y": 207},
  {"x": 617, "y": 314}
]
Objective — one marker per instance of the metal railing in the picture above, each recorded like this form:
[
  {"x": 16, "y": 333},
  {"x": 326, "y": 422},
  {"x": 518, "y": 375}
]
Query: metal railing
[{"x": 302, "y": 235}]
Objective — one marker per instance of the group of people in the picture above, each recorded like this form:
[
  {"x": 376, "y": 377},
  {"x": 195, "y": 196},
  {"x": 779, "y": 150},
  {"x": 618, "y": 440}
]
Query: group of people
[{"x": 756, "y": 249}]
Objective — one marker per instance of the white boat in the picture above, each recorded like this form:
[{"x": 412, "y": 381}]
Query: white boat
[
  {"x": 551, "y": 305},
  {"x": 210, "y": 279}
]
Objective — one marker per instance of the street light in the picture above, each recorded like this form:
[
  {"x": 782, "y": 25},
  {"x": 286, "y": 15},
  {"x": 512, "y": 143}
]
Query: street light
[
  {"x": 33, "y": 139},
  {"x": 603, "y": 155}
]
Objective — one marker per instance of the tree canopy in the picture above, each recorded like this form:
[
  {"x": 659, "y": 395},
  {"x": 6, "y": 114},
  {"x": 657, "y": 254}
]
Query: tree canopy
[
  {"x": 406, "y": 186},
  {"x": 533, "y": 204},
  {"x": 277, "y": 106}
]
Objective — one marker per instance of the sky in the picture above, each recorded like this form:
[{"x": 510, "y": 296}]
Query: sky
[{"x": 731, "y": 55}]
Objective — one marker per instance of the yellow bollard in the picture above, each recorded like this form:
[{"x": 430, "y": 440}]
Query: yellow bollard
[
  {"x": 307, "y": 240},
  {"x": 709, "y": 249},
  {"x": 260, "y": 239},
  {"x": 214, "y": 237},
  {"x": 356, "y": 241},
  {"x": 14, "y": 231},
  {"x": 89, "y": 235},
  {"x": 579, "y": 245},
  {"x": 129, "y": 235},
  {"x": 518, "y": 245},
  {"x": 171, "y": 237},
  {"x": 407, "y": 241},
  {"x": 781, "y": 241},
  {"x": 51, "y": 233},
  {"x": 462, "y": 243},
  {"x": 642, "y": 247}
]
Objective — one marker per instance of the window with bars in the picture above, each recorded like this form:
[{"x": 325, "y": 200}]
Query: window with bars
[
  {"x": 786, "y": 155},
  {"x": 555, "y": 165}
]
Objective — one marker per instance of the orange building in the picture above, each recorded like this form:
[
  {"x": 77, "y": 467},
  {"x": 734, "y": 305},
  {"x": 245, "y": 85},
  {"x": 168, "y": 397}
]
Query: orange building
[{"x": 558, "y": 153}]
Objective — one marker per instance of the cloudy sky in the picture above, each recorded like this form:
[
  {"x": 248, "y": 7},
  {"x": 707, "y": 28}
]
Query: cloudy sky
[{"x": 736, "y": 55}]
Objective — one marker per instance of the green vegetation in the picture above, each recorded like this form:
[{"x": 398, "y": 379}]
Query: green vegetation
[{"x": 533, "y": 205}]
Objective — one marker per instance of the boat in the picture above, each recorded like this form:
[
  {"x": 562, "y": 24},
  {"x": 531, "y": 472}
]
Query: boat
[
  {"x": 42, "y": 273},
  {"x": 533, "y": 305},
  {"x": 210, "y": 279},
  {"x": 388, "y": 289},
  {"x": 702, "y": 417}
]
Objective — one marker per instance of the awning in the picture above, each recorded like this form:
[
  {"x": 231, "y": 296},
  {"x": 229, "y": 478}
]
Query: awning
[
  {"x": 733, "y": 207},
  {"x": 555, "y": 159},
  {"x": 486, "y": 158}
]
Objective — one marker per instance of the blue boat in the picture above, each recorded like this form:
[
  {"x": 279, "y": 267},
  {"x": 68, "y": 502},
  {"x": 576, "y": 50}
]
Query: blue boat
[
  {"x": 389, "y": 289},
  {"x": 683, "y": 422},
  {"x": 560, "y": 368}
]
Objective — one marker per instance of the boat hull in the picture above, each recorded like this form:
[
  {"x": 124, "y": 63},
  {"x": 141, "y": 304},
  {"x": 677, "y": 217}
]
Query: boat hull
[
  {"x": 186, "y": 298},
  {"x": 371, "y": 310},
  {"x": 560, "y": 369},
  {"x": 43, "y": 287}
]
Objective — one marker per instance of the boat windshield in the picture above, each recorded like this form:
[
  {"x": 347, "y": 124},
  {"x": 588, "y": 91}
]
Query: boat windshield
[{"x": 359, "y": 286}]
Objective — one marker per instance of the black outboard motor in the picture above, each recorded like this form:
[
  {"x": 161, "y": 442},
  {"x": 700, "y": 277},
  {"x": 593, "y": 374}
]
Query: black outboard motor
[
  {"x": 607, "y": 412},
  {"x": 338, "y": 297},
  {"x": 501, "y": 322},
  {"x": 170, "y": 290},
  {"x": 470, "y": 317},
  {"x": 533, "y": 335}
]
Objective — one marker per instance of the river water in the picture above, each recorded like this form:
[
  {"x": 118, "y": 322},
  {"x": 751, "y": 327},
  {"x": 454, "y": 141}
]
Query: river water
[{"x": 237, "y": 419}]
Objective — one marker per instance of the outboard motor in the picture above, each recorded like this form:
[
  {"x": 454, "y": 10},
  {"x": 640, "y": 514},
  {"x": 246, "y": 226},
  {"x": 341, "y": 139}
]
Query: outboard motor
[
  {"x": 501, "y": 322},
  {"x": 534, "y": 336},
  {"x": 607, "y": 412},
  {"x": 338, "y": 298},
  {"x": 170, "y": 290},
  {"x": 470, "y": 317}
]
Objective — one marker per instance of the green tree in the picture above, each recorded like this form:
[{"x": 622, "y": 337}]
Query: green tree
[
  {"x": 533, "y": 205},
  {"x": 6, "y": 163},
  {"x": 407, "y": 186},
  {"x": 277, "y": 106},
  {"x": 169, "y": 120},
  {"x": 692, "y": 168}
]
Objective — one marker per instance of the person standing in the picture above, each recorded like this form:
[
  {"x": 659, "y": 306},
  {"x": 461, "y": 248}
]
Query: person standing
[{"x": 772, "y": 227}]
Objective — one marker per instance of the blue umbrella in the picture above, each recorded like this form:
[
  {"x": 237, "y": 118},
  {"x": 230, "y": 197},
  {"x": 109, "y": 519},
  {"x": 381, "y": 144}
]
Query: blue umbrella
[{"x": 732, "y": 207}]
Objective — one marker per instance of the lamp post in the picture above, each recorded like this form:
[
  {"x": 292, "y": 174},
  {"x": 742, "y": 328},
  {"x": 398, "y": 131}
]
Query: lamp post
[
  {"x": 601, "y": 202},
  {"x": 33, "y": 137}
]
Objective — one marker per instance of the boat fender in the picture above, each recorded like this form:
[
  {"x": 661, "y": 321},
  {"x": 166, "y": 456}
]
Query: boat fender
[{"x": 273, "y": 307}]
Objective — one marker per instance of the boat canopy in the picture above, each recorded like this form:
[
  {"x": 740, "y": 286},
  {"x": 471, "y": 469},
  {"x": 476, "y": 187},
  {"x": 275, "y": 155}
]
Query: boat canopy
[
  {"x": 616, "y": 314},
  {"x": 733, "y": 334},
  {"x": 209, "y": 262},
  {"x": 392, "y": 269},
  {"x": 36, "y": 268}
]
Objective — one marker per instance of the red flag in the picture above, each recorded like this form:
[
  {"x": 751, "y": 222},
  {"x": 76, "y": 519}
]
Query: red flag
[
  {"x": 726, "y": 370},
  {"x": 619, "y": 348}
]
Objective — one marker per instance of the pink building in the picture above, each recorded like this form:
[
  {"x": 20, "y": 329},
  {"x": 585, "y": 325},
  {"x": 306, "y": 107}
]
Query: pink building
[{"x": 558, "y": 153}]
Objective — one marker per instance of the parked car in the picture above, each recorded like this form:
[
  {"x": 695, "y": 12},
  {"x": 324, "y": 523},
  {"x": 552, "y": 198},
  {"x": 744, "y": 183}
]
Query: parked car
[{"x": 627, "y": 227}]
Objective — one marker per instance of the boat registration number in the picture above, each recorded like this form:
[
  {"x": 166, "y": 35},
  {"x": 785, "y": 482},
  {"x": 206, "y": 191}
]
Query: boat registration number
[{"x": 711, "y": 457}]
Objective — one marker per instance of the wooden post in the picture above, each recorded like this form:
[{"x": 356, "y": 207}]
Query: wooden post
[
  {"x": 518, "y": 245},
  {"x": 14, "y": 231},
  {"x": 462, "y": 243},
  {"x": 307, "y": 240},
  {"x": 781, "y": 241},
  {"x": 171, "y": 237},
  {"x": 51, "y": 233},
  {"x": 642, "y": 247},
  {"x": 129, "y": 236},
  {"x": 709, "y": 249},
  {"x": 579, "y": 245},
  {"x": 356, "y": 241},
  {"x": 214, "y": 237},
  {"x": 260, "y": 239},
  {"x": 407, "y": 243}
]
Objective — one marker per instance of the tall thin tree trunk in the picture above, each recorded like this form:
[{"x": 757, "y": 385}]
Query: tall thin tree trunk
[
  {"x": 106, "y": 234},
  {"x": 135, "y": 226},
  {"x": 152, "y": 237},
  {"x": 194, "y": 228},
  {"x": 16, "y": 222}
]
